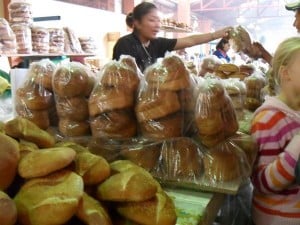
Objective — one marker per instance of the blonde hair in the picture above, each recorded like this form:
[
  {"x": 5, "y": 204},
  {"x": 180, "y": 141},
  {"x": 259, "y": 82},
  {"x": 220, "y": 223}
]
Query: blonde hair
[{"x": 282, "y": 57}]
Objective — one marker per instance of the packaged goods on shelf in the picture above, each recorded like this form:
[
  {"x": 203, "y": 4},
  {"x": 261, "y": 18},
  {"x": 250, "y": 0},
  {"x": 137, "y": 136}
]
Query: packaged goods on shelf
[
  {"x": 20, "y": 12},
  {"x": 8, "y": 42},
  {"x": 56, "y": 40},
  {"x": 40, "y": 39},
  {"x": 23, "y": 38}
]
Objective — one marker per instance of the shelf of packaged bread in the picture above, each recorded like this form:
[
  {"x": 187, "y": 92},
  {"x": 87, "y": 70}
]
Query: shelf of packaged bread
[
  {"x": 174, "y": 29},
  {"x": 194, "y": 207}
]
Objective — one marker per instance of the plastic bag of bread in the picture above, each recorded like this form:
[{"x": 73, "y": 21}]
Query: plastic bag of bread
[
  {"x": 8, "y": 44},
  {"x": 40, "y": 39},
  {"x": 23, "y": 38},
  {"x": 226, "y": 70},
  {"x": 56, "y": 40},
  {"x": 35, "y": 99},
  {"x": 240, "y": 39},
  {"x": 112, "y": 101},
  {"x": 159, "y": 107},
  {"x": 20, "y": 12},
  {"x": 254, "y": 86},
  {"x": 209, "y": 64},
  {"x": 72, "y": 43},
  {"x": 225, "y": 163},
  {"x": 214, "y": 113},
  {"x": 72, "y": 84}
]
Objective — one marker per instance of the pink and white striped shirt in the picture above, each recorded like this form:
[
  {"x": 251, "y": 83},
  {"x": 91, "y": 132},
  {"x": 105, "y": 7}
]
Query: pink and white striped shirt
[{"x": 276, "y": 196}]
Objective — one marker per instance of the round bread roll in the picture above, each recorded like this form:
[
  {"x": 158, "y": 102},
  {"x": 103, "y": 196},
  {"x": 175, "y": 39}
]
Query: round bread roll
[
  {"x": 159, "y": 210},
  {"x": 105, "y": 99},
  {"x": 52, "y": 199},
  {"x": 212, "y": 140},
  {"x": 221, "y": 165},
  {"x": 155, "y": 105},
  {"x": 248, "y": 69},
  {"x": 120, "y": 76},
  {"x": 70, "y": 80},
  {"x": 9, "y": 158},
  {"x": 71, "y": 128},
  {"x": 41, "y": 72},
  {"x": 114, "y": 124},
  {"x": 39, "y": 117},
  {"x": 229, "y": 119},
  {"x": 228, "y": 68},
  {"x": 175, "y": 67},
  {"x": 165, "y": 127},
  {"x": 182, "y": 160},
  {"x": 210, "y": 124},
  {"x": 74, "y": 108},
  {"x": 130, "y": 62},
  {"x": 8, "y": 210},
  {"x": 90, "y": 85},
  {"x": 35, "y": 97}
]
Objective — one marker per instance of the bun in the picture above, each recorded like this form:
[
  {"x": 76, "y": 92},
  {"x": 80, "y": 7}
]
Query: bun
[
  {"x": 221, "y": 165},
  {"x": 107, "y": 99},
  {"x": 8, "y": 210},
  {"x": 74, "y": 108},
  {"x": 158, "y": 210},
  {"x": 153, "y": 105},
  {"x": 58, "y": 194},
  {"x": 41, "y": 72},
  {"x": 129, "y": 186},
  {"x": 21, "y": 128},
  {"x": 43, "y": 162},
  {"x": 71, "y": 128},
  {"x": 165, "y": 127},
  {"x": 9, "y": 158}
]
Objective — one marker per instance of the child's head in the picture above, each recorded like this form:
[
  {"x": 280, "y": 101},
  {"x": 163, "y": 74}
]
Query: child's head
[{"x": 284, "y": 60}]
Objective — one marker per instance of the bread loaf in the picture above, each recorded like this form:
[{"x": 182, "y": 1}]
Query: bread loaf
[{"x": 8, "y": 210}]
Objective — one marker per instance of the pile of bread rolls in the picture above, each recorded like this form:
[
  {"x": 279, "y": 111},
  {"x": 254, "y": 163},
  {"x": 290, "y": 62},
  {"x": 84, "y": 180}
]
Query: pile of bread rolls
[
  {"x": 112, "y": 101},
  {"x": 35, "y": 99},
  {"x": 72, "y": 85},
  {"x": 47, "y": 182},
  {"x": 209, "y": 64},
  {"x": 159, "y": 109}
]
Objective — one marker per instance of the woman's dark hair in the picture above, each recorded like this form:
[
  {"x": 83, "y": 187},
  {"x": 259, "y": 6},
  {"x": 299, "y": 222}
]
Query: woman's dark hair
[
  {"x": 139, "y": 12},
  {"x": 221, "y": 43}
]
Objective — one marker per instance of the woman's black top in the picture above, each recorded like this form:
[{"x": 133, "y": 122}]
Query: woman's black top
[{"x": 144, "y": 56}]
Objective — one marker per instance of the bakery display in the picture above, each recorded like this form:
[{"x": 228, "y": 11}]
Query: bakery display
[
  {"x": 56, "y": 40},
  {"x": 23, "y": 38},
  {"x": 209, "y": 64},
  {"x": 88, "y": 44},
  {"x": 8, "y": 42},
  {"x": 20, "y": 12}
]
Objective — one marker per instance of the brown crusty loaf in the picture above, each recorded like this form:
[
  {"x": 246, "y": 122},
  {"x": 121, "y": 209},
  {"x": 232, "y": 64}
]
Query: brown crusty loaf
[
  {"x": 156, "y": 211},
  {"x": 8, "y": 210},
  {"x": 53, "y": 199},
  {"x": 129, "y": 185},
  {"x": 92, "y": 212},
  {"x": 45, "y": 161},
  {"x": 22, "y": 128},
  {"x": 9, "y": 157}
]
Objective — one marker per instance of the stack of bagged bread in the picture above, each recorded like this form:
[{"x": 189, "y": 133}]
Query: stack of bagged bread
[
  {"x": 159, "y": 107},
  {"x": 72, "y": 85},
  {"x": 209, "y": 64},
  {"x": 56, "y": 40},
  {"x": 214, "y": 113},
  {"x": 254, "y": 86},
  {"x": 8, "y": 42},
  {"x": 47, "y": 182},
  {"x": 20, "y": 12},
  {"x": 111, "y": 103},
  {"x": 40, "y": 39},
  {"x": 34, "y": 99},
  {"x": 23, "y": 38}
]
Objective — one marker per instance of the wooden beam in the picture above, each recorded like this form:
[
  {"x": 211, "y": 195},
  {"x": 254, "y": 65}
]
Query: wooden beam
[{"x": 5, "y": 8}]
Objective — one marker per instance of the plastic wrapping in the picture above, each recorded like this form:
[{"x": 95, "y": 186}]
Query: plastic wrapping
[
  {"x": 181, "y": 162},
  {"x": 88, "y": 44},
  {"x": 23, "y": 38},
  {"x": 8, "y": 42},
  {"x": 214, "y": 113},
  {"x": 254, "y": 86},
  {"x": 240, "y": 39},
  {"x": 20, "y": 12},
  {"x": 163, "y": 98},
  {"x": 56, "y": 40},
  {"x": 72, "y": 44},
  {"x": 112, "y": 101},
  {"x": 40, "y": 40},
  {"x": 72, "y": 84},
  {"x": 209, "y": 64},
  {"x": 35, "y": 100}
]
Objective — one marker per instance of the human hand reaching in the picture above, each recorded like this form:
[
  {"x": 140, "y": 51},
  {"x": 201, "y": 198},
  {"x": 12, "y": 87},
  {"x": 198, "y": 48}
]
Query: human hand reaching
[{"x": 222, "y": 33}]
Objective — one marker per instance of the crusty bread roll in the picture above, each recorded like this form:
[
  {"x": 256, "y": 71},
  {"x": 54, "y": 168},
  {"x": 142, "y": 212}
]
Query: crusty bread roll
[
  {"x": 8, "y": 210},
  {"x": 70, "y": 80},
  {"x": 92, "y": 168},
  {"x": 165, "y": 127},
  {"x": 73, "y": 108},
  {"x": 228, "y": 68},
  {"x": 130, "y": 62},
  {"x": 43, "y": 162},
  {"x": 105, "y": 99},
  {"x": 22, "y": 128},
  {"x": 91, "y": 211},
  {"x": 53, "y": 199},
  {"x": 72, "y": 128},
  {"x": 9, "y": 157},
  {"x": 210, "y": 124},
  {"x": 154, "y": 105},
  {"x": 129, "y": 185},
  {"x": 26, "y": 147},
  {"x": 159, "y": 210}
]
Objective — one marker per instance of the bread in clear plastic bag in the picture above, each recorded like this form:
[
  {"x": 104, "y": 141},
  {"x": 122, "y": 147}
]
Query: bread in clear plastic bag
[
  {"x": 225, "y": 70},
  {"x": 8, "y": 44},
  {"x": 56, "y": 40},
  {"x": 23, "y": 38},
  {"x": 240, "y": 39},
  {"x": 88, "y": 44},
  {"x": 40, "y": 39},
  {"x": 209, "y": 64},
  {"x": 20, "y": 12}
]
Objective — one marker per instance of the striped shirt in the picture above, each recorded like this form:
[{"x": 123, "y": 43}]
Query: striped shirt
[{"x": 276, "y": 196}]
